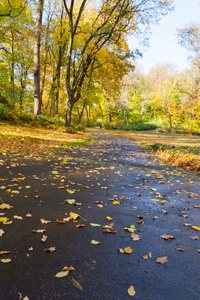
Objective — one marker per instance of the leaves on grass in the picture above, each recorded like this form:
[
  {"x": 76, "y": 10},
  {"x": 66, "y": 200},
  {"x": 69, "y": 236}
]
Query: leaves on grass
[
  {"x": 162, "y": 260},
  {"x": 131, "y": 291}
]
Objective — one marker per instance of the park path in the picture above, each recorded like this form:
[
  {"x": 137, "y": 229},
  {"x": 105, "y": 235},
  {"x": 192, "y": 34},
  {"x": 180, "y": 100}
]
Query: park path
[{"x": 110, "y": 178}]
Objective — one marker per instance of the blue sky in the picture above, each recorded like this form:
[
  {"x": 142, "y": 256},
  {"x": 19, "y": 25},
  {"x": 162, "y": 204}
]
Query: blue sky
[{"x": 163, "y": 46}]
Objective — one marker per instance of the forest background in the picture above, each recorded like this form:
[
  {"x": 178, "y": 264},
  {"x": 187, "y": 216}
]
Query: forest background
[{"x": 69, "y": 62}]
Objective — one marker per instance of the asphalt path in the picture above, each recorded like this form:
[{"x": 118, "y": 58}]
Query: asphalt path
[{"x": 110, "y": 178}]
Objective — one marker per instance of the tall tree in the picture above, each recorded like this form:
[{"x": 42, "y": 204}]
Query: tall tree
[
  {"x": 104, "y": 25},
  {"x": 37, "y": 95}
]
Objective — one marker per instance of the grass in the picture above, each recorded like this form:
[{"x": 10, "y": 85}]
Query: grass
[
  {"x": 177, "y": 150},
  {"x": 18, "y": 139}
]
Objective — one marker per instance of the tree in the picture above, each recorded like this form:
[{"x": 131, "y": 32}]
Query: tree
[
  {"x": 104, "y": 25},
  {"x": 37, "y": 95}
]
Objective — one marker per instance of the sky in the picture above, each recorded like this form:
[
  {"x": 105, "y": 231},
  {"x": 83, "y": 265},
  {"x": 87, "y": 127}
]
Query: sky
[{"x": 163, "y": 46}]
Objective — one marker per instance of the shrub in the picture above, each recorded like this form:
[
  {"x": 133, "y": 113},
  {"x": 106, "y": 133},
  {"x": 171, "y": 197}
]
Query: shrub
[
  {"x": 138, "y": 127},
  {"x": 80, "y": 127},
  {"x": 70, "y": 130}
]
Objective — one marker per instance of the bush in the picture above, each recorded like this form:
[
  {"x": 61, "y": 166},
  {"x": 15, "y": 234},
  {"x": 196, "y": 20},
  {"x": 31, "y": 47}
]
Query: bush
[
  {"x": 70, "y": 130},
  {"x": 80, "y": 127},
  {"x": 138, "y": 127}
]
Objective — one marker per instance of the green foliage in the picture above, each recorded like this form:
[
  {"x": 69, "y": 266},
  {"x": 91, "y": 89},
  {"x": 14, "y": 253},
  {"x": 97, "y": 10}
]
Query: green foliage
[
  {"x": 14, "y": 116},
  {"x": 139, "y": 127}
]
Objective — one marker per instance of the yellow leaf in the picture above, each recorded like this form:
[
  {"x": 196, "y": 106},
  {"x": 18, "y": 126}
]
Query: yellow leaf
[
  {"x": 162, "y": 202},
  {"x": 3, "y": 220},
  {"x": 94, "y": 224},
  {"x": 76, "y": 284},
  {"x": 74, "y": 216},
  {"x": 17, "y": 217},
  {"x": 128, "y": 250},
  {"x": 131, "y": 291},
  {"x": 5, "y": 206},
  {"x": 26, "y": 298},
  {"x": 145, "y": 257},
  {"x": 109, "y": 218},
  {"x": 95, "y": 242},
  {"x": 116, "y": 203},
  {"x": 62, "y": 274},
  {"x": 161, "y": 260},
  {"x": 61, "y": 222},
  {"x": 196, "y": 228},
  {"x": 70, "y": 191},
  {"x": 5, "y": 260},
  {"x": 70, "y": 201},
  {"x": 161, "y": 182},
  {"x": 15, "y": 192},
  {"x": 68, "y": 269}
]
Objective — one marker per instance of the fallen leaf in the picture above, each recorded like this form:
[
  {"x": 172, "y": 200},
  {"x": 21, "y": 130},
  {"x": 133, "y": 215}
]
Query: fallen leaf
[
  {"x": 3, "y": 220},
  {"x": 135, "y": 237},
  {"x": 154, "y": 218},
  {"x": 109, "y": 230},
  {"x": 187, "y": 224},
  {"x": 161, "y": 260},
  {"x": 4, "y": 252},
  {"x": 128, "y": 250},
  {"x": 68, "y": 269},
  {"x": 76, "y": 284},
  {"x": 5, "y": 260},
  {"x": 180, "y": 249},
  {"x": 74, "y": 216},
  {"x": 95, "y": 242},
  {"x": 26, "y": 298},
  {"x": 161, "y": 182},
  {"x": 17, "y": 217},
  {"x": 70, "y": 191},
  {"x": 121, "y": 250},
  {"x": 28, "y": 215},
  {"x": 62, "y": 274},
  {"x": 61, "y": 222},
  {"x": 141, "y": 222},
  {"x": 116, "y": 203},
  {"x": 5, "y": 206},
  {"x": 100, "y": 205},
  {"x": 145, "y": 257},
  {"x": 162, "y": 202},
  {"x": 70, "y": 201},
  {"x": 80, "y": 225},
  {"x": 39, "y": 230},
  {"x": 1, "y": 232},
  {"x": 108, "y": 218},
  {"x": 196, "y": 228},
  {"x": 30, "y": 249},
  {"x": 167, "y": 237},
  {"x": 44, "y": 238},
  {"x": 50, "y": 249},
  {"x": 198, "y": 250},
  {"x": 164, "y": 211},
  {"x": 131, "y": 230},
  {"x": 95, "y": 225},
  {"x": 43, "y": 221},
  {"x": 196, "y": 237},
  {"x": 131, "y": 291}
]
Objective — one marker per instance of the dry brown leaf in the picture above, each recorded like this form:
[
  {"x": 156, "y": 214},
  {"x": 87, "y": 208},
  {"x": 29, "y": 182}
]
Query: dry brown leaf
[
  {"x": 135, "y": 237},
  {"x": 43, "y": 221},
  {"x": 167, "y": 237},
  {"x": 4, "y": 252},
  {"x": 80, "y": 225},
  {"x": 180, "y": 249},
  {"x": 161, "y": 260},
  {"x": 50, "y": 249},
  {"x": 39, "y": 230},
  {"x": 1, "y": 232},
  {"x": 196, "y": 237},
  {"x": 145, "y": 257},
  {"x": 44, "y": 238},
  {"x": 141, "y": 222},
  {"x": 28, "y": 215},
  {"x": 154, "y": 218},
  {"x": 121, "y": 250},
  {"x": 5, "y": 206}
]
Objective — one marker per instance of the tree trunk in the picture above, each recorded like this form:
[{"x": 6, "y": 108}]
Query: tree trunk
[
  {"x": 101, "y": 110},
  {"x": 37, "y": 98},
  {"x": 13, "y": 69},
  {"x": 70, "y": 105},
  {"x": 127, "y": 117},
  {"x": 109, "y": 110}
]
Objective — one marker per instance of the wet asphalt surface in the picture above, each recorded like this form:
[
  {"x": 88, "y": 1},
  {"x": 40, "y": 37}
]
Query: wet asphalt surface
[{"x": 111, "y": 169}]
